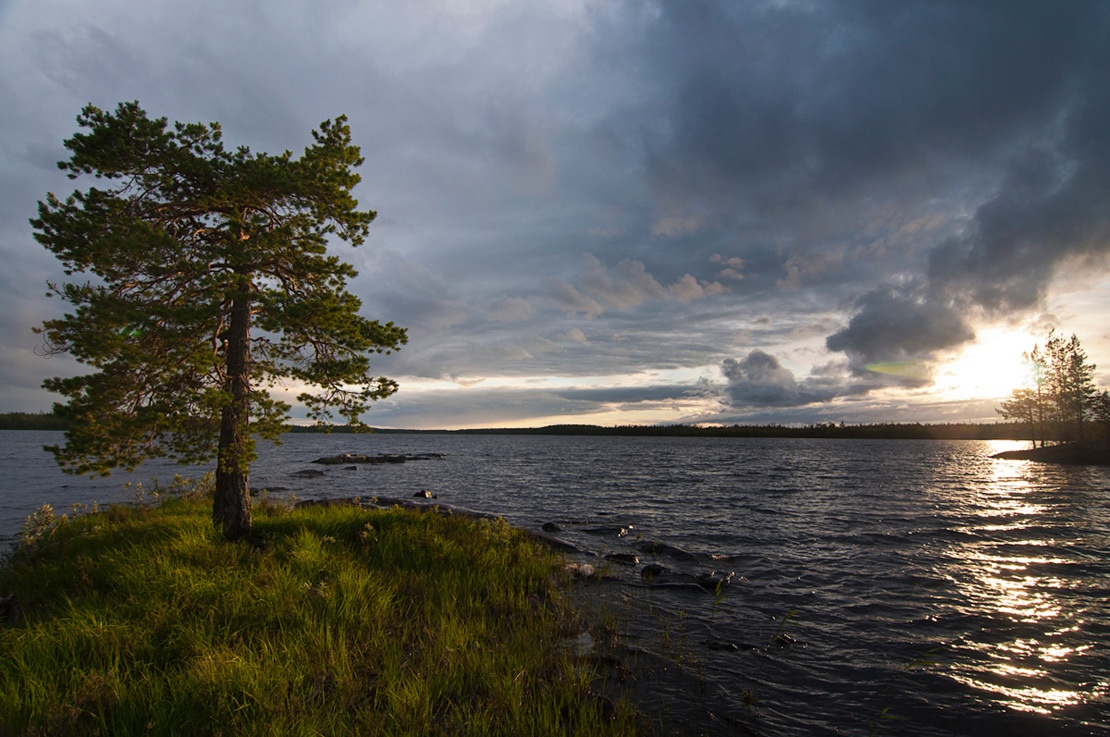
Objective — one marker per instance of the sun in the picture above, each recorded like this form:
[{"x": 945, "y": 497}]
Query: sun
[{"x": 991, "y": 367}]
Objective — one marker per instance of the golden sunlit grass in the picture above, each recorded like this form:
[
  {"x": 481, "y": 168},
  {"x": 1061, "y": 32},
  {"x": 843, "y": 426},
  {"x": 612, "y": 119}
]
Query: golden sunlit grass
[{"x": 343, "y": 620}]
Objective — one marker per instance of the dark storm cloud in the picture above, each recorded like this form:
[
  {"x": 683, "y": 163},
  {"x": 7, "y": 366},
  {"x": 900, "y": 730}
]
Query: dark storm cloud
[
  {"x": 778, "y": 110},
  {"x": 1052, "y": 208},
  {"x": 786, "y": 102},
  {"x": 618, "y": 189},
  {"x": 899, "y": 324},
  {"x": 760, "y": 380}
]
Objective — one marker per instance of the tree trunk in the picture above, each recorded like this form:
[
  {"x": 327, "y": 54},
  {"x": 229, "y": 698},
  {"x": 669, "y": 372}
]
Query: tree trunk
[{"x": 231, "y": 508}]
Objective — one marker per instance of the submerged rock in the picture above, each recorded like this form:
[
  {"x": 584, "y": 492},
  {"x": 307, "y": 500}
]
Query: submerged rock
[
  {"x": 714, "y": 581},
  {"x": 652, "y": 571},
  {"x": 307, "y": 473},
  {"x": 714, "y": 643},
  {"x": 627, "y": 559},
  {"x": 671, "y": 551},
  {"x": 610, "y": 530}
]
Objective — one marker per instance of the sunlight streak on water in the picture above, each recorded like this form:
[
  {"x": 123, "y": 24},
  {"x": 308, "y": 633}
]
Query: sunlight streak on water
[
  {"x": 962, "y": 595},
  {"x": 1042, "y": 630}
]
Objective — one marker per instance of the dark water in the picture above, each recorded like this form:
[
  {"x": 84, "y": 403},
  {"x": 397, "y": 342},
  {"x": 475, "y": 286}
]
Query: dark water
[{"x": 854, "y": 562}]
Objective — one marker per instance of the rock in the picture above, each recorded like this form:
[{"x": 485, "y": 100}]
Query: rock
[
  {"x": 722, "y": 645},
  {"x": 352, "y": 501},
  {"x": 554, "y": 543},
  {"x": 784, "y": 640},
  {"x": 610, "y": 530},
  {"x": 713, "y": 581},
  {"x": 671, "y": 551},
  {"x": 551, "y": 527},
  {"x": 307, "y": 473},
  {"x": 651, "y": 571},
  {"x": 581, "y": 570},
  {"x": 350, "y": 468},
  {"x": 9, "y": 608},
  {"x": 625, "y": 559}
]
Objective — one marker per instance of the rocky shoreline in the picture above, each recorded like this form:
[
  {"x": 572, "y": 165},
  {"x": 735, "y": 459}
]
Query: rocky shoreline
[{"x": 1091, "y": 453}]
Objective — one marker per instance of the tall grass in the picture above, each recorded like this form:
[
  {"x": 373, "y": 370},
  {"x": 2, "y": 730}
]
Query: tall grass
[{"x": 334, "y": 620}]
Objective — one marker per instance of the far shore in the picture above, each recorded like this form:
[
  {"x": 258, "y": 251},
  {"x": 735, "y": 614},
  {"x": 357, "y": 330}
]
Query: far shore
[{"x": 868, "y": 431}]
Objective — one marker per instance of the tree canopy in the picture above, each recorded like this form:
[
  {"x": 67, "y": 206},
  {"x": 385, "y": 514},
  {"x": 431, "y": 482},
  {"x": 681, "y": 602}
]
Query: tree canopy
[
  {"x": 204, "y": 283},
  {"x": 1062, "y": 398}
]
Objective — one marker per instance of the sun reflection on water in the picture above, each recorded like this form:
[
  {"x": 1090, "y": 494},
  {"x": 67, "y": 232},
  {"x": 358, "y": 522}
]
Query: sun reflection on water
[{"x": 1008, "y": 575}]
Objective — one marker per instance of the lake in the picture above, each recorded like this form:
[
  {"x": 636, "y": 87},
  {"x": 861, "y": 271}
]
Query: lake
[{"x": 917, "y": 587}]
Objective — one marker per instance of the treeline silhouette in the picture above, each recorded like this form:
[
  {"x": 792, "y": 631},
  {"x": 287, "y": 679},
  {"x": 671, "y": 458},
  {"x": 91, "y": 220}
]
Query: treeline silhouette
[
  {"x": 893, "y": 431},
  {"x": 31, "y": 421},
  {"x": 874, "y": 431}
]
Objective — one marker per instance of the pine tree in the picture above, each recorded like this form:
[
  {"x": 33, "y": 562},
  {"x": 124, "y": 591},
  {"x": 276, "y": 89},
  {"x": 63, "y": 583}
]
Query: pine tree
[
  {"x": 1063, "y": 396},
  {"x": 206, "y": 284},
  {"x": 1023, "y": 408},
  {"x": 1072, "y": 382}
]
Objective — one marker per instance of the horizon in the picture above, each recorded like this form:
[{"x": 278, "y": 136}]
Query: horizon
[{"x": 635, "y": 213}]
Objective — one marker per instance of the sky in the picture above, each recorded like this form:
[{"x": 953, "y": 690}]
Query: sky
[{"x": 634, "y": 212}]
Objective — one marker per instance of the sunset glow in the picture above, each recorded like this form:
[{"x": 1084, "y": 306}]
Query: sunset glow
[
  {"x": 990, "y": 367},
  {"x": 725, "y": 213}
]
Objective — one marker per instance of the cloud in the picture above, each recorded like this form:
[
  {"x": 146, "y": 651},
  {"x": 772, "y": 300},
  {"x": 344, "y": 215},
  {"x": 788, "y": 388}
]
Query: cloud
[
  {"x": 688, "y": 288},
  {"x": 847, "y": 184},
  {"x": 675, "y": 225},
  {"x": 732, "y": 267},
  {"x": 789, "y": 103},
  {"x": 1052, "y": 208},
  {"x": 760, "y": 380},
  {"x": 812, "y": 124},
  {"x": 899, "y": 324},
  {"x": 510, "y": 309},
  {"x": 569, "y": 299},
  {"x": 623, "y": 288},
  {"x": 574, "y": 335},
  {"x": 1049, "y": 207},
  {"x": 627, "y": 394}
]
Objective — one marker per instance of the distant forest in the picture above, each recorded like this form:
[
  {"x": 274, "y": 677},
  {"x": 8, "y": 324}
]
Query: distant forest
[
  {"x": 907, "y": 431},
  {"x": 895, "y": 431},
  {"x": 31, "y": 421}
]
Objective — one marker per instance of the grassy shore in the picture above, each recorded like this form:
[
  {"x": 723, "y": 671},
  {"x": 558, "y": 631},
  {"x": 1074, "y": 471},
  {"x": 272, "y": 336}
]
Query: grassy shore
[{"x": 333, "y": 621}]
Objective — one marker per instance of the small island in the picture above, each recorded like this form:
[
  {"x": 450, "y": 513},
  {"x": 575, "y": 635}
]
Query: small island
[{"x": 1090, "y": 453}]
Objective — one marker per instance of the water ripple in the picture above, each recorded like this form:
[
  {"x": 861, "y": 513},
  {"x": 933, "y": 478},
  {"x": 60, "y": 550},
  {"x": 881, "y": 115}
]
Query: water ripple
[{"x": 962, "y": 594}]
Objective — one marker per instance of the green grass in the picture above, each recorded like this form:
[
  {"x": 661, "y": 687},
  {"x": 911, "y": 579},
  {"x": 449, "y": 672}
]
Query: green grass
[{"x": 140, "y": 620}]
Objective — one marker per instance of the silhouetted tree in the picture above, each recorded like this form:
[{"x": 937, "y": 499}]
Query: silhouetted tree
[
  {"x": 1025, "y": 407},
  {"x": 1063, "y": 395},
  {"x": 1071, "y": 378}
]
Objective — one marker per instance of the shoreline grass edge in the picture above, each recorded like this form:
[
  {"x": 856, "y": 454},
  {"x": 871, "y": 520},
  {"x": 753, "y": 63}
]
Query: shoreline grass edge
[{"x": 331, "y": 620}]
